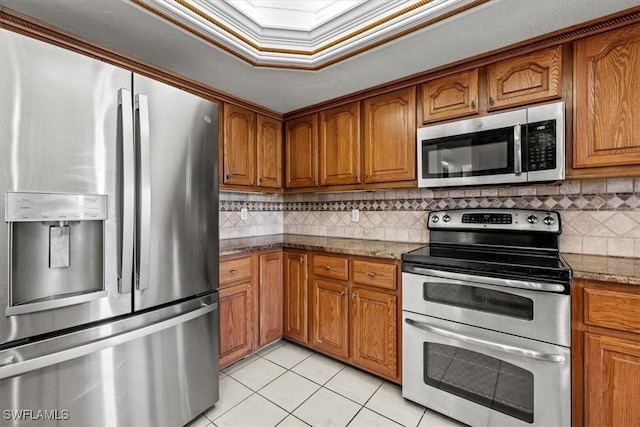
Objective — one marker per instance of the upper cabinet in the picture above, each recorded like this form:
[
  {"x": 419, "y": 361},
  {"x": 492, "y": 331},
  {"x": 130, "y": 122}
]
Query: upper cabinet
[
  {"x": 390, "y": 136},
  {"x": 239, "y": 146},
  {"x": 451, "y": 96},
  {"x": 301, "y": 147},
  {"x": 525, "y": 79},
  {"x": 607, "y": 104},
  {"x": 251, "y": 150},
  {"x": 340, "y": 145}
]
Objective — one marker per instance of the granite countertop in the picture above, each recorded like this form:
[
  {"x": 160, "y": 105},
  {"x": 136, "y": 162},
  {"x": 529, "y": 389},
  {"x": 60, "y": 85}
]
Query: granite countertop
[
  {"x": 362, "y": 247},
  {"x": 604, "y": 268}
]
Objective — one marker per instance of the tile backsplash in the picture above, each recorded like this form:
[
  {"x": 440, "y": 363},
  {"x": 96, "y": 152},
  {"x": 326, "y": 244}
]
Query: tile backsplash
[{"x": 599, "y": 216}]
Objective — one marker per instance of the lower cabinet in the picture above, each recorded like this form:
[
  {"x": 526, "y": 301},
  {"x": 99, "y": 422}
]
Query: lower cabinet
[
  {"x": 236, "y": 322},
  {"x": 296, "y": 297},
  {"x": 606, "y": 354},
  {"x": 271, "y": 298},
  {"x": 330, "y": 317}
]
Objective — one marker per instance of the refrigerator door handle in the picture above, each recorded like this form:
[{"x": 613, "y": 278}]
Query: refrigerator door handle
[
  {"x": 143, "y": 211},
  {"x": 127, "y": 196},
  {"x": 14, "y": 367}
]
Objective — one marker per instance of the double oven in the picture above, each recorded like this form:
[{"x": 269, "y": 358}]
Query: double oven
[{"x": 487, "y": 319}]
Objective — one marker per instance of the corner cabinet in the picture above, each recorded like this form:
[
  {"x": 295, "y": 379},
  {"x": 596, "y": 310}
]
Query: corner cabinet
[
  {"x": 606, "y": 370},
  {"x": 301, "y": 149},
  {"x": 607, "y": 104},
  {"x": 390, "y": 136}
]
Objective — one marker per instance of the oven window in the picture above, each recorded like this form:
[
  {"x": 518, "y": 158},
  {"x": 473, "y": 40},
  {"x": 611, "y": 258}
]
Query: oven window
[
  {"x": 475, "y": 298},
  {"x": 482, "y": 379}
]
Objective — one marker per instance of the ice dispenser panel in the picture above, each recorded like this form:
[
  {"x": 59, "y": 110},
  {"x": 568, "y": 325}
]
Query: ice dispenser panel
[{"x": 56, "y": 250}]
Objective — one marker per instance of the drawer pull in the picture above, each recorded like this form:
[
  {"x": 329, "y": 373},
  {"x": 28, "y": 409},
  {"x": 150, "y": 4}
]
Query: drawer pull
[
  {"x": 371, "y": 274},
  {"x": 301, "y": 260},
  {"x": 327, "y": 267},
  {"x": 234, "y": 271}
]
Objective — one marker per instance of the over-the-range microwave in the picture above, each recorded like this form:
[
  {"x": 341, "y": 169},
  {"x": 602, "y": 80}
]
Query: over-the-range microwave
[{"x": 525, "y": 145}]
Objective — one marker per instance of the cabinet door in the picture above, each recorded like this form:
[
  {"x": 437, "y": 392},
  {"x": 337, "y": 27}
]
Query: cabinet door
[
  {"x": 340, "y": 145},
  {"x": 612, "y": 381},
  {"x": 236, "y": 323},
  {"x": 301, "y": 146},
  {"x": 450, "y": 96},
  {"x": 390, "y": 136},
  {"x": 374, "y": 331},
  {"x": 330, "y": 317},
  {"x": 269, "y": 152},
  {"x": 296, "y": 323},
  {"x": 607, "y": 100},
  {"x": 271, "y": 293},
  {"x": 525, "y": 79},
  {"x": 239, "y": 149}
]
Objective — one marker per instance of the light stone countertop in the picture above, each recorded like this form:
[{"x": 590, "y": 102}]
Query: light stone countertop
[
  {"x": 604, "y": 268},
  {"x": 362, "y": 247}
]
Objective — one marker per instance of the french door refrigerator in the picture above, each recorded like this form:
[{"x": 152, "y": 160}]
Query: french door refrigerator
[{"x": 109, "y": 247}]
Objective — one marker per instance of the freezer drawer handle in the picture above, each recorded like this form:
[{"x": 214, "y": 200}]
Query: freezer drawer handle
[
  {"x": 93, "y": 347},
  {"x": 517, "y": 351},
  {"x": 128, "y": 193}
]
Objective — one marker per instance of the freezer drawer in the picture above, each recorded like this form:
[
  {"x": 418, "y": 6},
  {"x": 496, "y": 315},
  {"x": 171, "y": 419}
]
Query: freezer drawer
[{"x": 157, "y": 369}]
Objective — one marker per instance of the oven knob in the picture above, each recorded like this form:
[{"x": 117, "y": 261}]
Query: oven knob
[
  {"x": 446, "y": 218},
  {"x": 435, "y": 218},
  {"x": 548, "y": 220},
  {"x": 532, "y": 219}
]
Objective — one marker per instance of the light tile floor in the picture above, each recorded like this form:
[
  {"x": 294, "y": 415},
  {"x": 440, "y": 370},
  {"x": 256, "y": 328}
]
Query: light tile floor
[{"x": 286, "y": 385}]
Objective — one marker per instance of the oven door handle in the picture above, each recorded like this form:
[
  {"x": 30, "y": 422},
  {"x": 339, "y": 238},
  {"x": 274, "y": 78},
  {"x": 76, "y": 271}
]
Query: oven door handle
[
  {"x": 520, "y": 284},
  {"x": 517, "y": 351}
]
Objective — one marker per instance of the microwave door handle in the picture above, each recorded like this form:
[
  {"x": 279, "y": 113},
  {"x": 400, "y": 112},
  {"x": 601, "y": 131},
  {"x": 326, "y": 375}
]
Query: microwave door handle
[
  {"x": 143, "y": 211},
  {"x": 517, "y": 149},
  {"x": 517, "y": 351},
  {"x": 127, "y": 196}
]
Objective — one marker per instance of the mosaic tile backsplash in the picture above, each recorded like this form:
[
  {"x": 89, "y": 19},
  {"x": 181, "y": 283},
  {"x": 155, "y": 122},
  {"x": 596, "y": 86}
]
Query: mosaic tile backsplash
[{"x": 600, "y": 217}]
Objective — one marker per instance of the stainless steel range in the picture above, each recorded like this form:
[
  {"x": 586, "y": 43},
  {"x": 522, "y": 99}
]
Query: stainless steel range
[{"x": 487, "y": 319}]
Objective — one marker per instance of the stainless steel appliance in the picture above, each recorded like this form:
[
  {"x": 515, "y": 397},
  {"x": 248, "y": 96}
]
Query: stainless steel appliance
[
  {"x": 519, "y": 146},
  {"x": 487, "y": 319},
  {"x": 109, "y": 254}
]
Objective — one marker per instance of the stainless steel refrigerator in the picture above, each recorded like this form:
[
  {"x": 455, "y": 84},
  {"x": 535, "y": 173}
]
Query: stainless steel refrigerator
[{"x": 109, "y": 247}]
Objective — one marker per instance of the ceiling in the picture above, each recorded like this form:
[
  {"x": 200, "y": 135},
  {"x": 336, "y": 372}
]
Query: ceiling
[{"x": 145, "y": 29}]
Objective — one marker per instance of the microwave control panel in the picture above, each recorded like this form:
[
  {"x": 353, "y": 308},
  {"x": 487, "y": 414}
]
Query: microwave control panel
[{"x": 541, "y": 145}]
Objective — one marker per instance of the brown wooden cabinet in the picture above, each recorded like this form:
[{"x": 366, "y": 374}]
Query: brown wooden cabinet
[
  {"x": 525, "y": 79},
  {"x": 269, "y": 152},
  {"x": 301, "y": 152},
  {"x": 340, "y": 145},
  {"x": 271, "y": 295},
  {"x": 390, "y": 136},
  {"x": 606, "y": 354},
  {"x": 329, "y": 319},
  {"x": 296, "y": 299},
  {"x": 607, "y": 104},
  {"x": 451, "y": 96},
  {"x": 239, "y": 147}
]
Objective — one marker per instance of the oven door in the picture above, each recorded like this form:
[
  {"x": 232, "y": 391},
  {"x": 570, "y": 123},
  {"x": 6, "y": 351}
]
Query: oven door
[
  {"x": 464, "y": 298},
  {"x": 482, "y": 377}
]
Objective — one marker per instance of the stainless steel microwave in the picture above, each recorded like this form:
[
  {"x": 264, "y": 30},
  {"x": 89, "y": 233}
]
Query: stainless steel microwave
[{"x": 520, "y": 146}]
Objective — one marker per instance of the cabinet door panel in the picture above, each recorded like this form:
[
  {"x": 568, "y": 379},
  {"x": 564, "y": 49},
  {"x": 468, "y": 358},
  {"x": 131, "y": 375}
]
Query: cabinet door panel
[
  {"x": 390, "y": 136},
  {"x": 450, "y": 96},
  {"x": 330, "y": 317},
  {"x": 607, "y": 99},
  {"x": 269, "y": 152},
  {"x": 340, "y": 145},
  {"x": 271, "y": 297},
  {"x": 236, "y": 323},
  {"x": 525, "y": 79},
  {"x": 239, "y": 149},
  {"x": 296, "y": 324},
  {"x": 301, "y": 146},
  {"x": 374, "y": 331}
]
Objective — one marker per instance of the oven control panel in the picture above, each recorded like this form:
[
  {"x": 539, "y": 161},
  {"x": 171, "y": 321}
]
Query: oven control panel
[{"x": 495, "y": 219}]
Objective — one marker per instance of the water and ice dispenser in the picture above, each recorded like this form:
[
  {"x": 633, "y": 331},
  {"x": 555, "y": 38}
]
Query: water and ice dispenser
[{"x": 56, "y": 250}]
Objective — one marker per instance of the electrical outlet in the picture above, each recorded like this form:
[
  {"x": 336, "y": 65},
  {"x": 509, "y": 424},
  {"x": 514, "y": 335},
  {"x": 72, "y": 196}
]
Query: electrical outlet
[
  {"x": 244, "y": 214},
  {"x": 355, "y": 215}
]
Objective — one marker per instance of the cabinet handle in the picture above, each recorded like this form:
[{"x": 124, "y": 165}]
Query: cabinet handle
[
  {"x": 366, "y": 176},
  {"x": 353, "y": 296},
  {"x": 490, "y": 100},
  {"x": 234, "y": 271},
  {"x": 327, "y": 267},
  {"x": 259, "y": 180},
  {"x": 371, "y": 274},
  {"x": 227, "y": 177},
  {"x": 473, "y": 104},
  {"x": 301, "y": 260},
  {"x": 343, "y": 293}
]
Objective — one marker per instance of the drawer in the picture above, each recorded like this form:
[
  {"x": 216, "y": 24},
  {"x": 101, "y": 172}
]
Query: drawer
[
  {"x": 373, "y": 273},
  {"x": 235, "y": 270},
  {"x": 612, "y": 309},
  {"x": 331, "y": 266}
]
